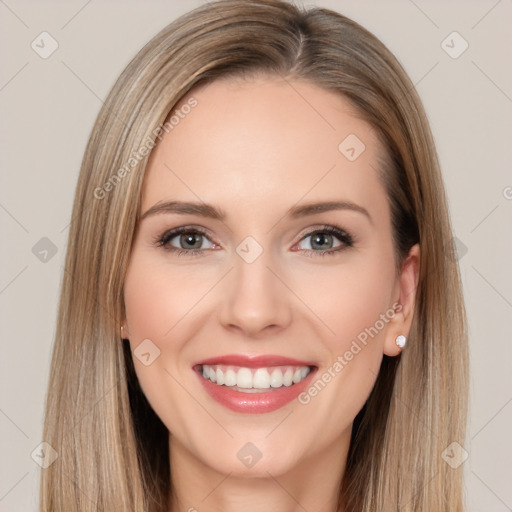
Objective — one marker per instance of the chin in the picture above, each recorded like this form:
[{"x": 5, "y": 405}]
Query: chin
[{"x": 253, "y": 459}]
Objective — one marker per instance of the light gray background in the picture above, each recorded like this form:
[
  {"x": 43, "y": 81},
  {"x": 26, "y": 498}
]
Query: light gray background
[{"x": 48, "y": 107}]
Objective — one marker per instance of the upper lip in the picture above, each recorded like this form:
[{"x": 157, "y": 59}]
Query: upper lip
[{"x": 246, "y": 361}]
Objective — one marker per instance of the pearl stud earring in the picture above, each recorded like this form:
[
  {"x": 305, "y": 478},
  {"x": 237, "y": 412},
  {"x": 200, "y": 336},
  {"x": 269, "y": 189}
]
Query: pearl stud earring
[{"x": 401, "y": 340}]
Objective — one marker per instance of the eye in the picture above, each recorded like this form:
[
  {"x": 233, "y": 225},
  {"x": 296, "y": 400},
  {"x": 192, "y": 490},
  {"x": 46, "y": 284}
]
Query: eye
[
  {"x": 185, "y": 240},
  {"x": 326, "y": 240},
  {"x": 188, "y": 241}
]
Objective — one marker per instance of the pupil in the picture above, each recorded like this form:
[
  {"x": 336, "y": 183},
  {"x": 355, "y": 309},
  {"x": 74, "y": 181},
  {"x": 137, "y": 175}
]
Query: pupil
[
  {"x": 322, "y": 241},
  {"x": 193, "y": 239}
]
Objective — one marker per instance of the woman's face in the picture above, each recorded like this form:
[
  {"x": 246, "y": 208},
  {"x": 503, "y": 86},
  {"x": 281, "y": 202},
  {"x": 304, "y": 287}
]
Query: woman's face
[{"x": 287, "y": 308}]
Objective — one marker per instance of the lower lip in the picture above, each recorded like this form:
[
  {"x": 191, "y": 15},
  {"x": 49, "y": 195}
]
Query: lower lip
[{"x": 255, "y": 403}]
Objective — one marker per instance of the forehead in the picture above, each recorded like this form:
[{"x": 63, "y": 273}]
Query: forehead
[{"x": 264, "y": 141}]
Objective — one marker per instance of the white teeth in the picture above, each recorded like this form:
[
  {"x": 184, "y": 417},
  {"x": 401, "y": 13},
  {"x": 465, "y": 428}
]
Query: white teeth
[
  {"x": 253, "y": 379},
  {"x": 276, "y": 378},
  {"x": 261, "y": 379},
  {"x": 230, "y": 378},
  {"x": 244, "y": 378},
  {"x": 288, "y": 377}
]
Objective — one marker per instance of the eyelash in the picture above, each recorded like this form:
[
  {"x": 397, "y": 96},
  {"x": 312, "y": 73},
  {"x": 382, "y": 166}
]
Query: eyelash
[{"x": 162, "y": 240}]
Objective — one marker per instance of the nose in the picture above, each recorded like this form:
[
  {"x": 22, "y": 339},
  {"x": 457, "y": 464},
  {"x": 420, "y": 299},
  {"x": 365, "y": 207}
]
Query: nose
[{"x": 255, "y": 300}]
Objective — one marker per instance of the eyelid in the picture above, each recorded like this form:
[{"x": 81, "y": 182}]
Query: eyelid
[{"x": 310, "y": 230}]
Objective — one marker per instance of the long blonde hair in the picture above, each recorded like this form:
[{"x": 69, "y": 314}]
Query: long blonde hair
[{"x": 113, "y": 449}]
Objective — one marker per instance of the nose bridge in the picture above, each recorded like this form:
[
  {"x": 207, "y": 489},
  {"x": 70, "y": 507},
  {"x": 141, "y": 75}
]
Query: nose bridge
[{"x": 254, "y": 299}]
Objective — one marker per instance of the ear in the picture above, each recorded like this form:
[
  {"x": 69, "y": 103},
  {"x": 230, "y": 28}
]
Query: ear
[{"x": 404, "y": 299}]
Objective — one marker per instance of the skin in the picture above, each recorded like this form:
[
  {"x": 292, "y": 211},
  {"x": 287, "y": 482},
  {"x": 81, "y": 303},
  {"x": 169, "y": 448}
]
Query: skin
[{"x": 255, "y": 148}]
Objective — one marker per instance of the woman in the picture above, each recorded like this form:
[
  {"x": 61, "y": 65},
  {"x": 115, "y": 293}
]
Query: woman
[{"x": 260, "y": 307}]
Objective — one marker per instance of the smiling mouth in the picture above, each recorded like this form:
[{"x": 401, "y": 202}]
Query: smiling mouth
[{"x": 254, "y": 380}]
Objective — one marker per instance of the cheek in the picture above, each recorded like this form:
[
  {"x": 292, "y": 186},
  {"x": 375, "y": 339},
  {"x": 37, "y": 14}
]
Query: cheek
[
  {"x": 157, "y": 298},
  {"x": 158, "y": 302},
  {"x": 161, "y": 303},
  {"x": 364, "y": 299},
  {"x": 146, "y": 302},
  {"x": 353, "y": 301},
  {"x": 349, "y": 298}
]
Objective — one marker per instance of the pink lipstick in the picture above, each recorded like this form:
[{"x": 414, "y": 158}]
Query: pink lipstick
[{"x": 254, "y": 384}]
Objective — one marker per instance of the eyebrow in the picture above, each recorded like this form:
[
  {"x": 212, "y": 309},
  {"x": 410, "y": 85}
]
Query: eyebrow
[{"x": 210, "y": 211}]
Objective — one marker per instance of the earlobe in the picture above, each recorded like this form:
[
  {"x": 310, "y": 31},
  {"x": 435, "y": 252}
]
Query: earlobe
[
  {"x": 405, "y": 295},
  {"x": 124, "y": 331}
]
